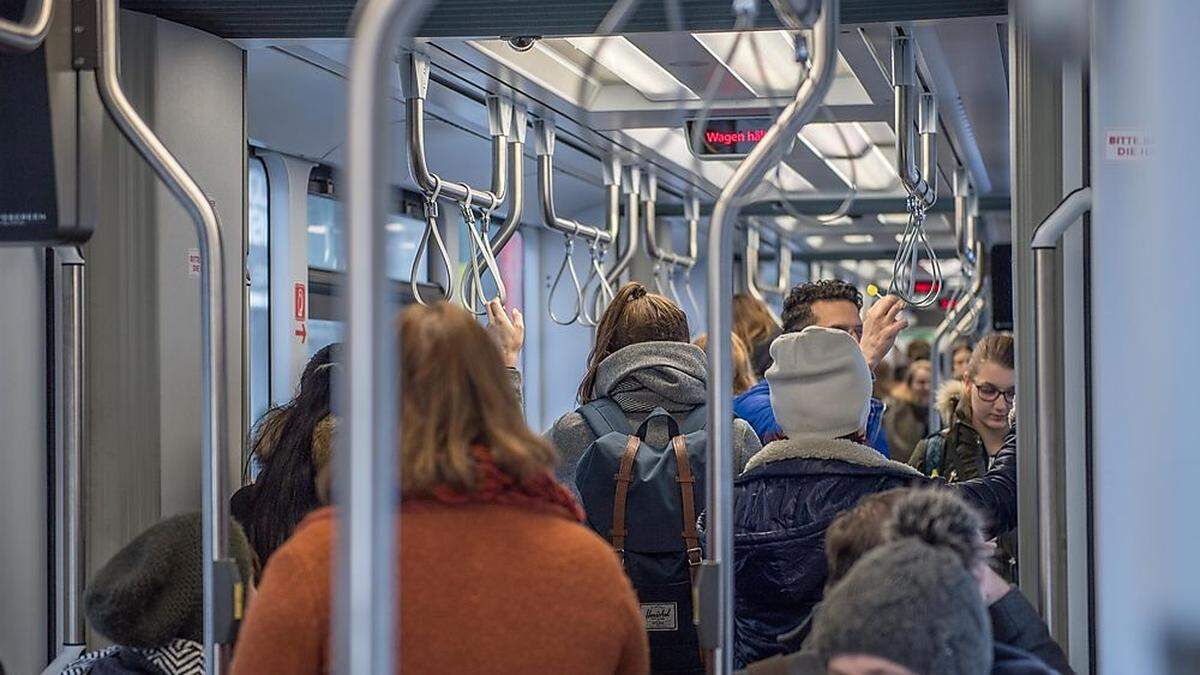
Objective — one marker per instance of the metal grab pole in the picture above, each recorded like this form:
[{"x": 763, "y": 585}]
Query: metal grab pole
[
  {"x": 219, "y": 571},
  {"x": 543, "y": 138},
  {"x": 649, "y": 197},
  {"x": 904, "y": 85},
  {"x": 73, "y": 443},
  {"x": 1051, "y": 469},
  {"x": 29, "y": 34},
  {"x": 414, "y": 78},
  {"x": 783, "y": 267},
  {"x": 947, "y": 325},
  {"x": 74, "y": 425},
  {"x": 365, "y": 589},
  {"x": 716, "y": 583},
  {"x": 631, "y": 184}
]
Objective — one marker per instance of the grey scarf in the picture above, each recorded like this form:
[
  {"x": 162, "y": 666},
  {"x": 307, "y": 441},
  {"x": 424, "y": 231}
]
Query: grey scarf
[{"x": 649, "y": 375}]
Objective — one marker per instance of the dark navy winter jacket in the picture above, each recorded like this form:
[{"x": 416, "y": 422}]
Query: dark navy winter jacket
[
  {"x": 754, "y": 406},
  {"x": 785, "y": 500}
]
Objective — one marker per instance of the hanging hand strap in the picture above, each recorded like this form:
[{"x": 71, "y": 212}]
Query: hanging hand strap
[
  {"x": 568, "y": 263},
  {"x": 431, "y": 230},
  {"x": 475, "y": 300}
]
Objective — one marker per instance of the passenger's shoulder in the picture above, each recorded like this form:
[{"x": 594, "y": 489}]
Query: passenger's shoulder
[{"x": 312, "y": 542}]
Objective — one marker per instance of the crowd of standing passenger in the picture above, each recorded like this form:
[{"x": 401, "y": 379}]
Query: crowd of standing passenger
[{"x": 862, "y": 536}]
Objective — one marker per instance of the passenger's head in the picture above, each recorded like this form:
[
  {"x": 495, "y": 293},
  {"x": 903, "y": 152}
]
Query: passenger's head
[
  {"x": 286, "y": 488},
  {"x": 918, "y": 350},
  {"x": 991, "y": 382},
  {"x": 820, "y": 384},
  {"x": 743, "y": 374},
  {"x": 912, "y": 595},
  {"x": 830, "y": 303},
  {"x": 920, "y": 381},
  {"x": 961, "y": 354},
  {"x": 752, "y": 321},
  {"x": 152, "y": 591},
  {"x": 455, "y": 395},
  {"x": 938, "y": 517},
  {"x": 635, "y": 315}
]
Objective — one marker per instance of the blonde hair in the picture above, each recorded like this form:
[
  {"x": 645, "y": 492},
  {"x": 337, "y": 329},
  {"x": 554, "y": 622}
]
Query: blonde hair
[
  {"x": 752, "y": 321},
  {"x": 455, "y": 395},
  {"x": 743, "y": 374}
]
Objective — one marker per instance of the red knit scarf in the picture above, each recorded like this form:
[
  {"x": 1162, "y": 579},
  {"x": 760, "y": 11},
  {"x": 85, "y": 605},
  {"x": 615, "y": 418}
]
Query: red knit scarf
[{"x": 493, "y": 486}]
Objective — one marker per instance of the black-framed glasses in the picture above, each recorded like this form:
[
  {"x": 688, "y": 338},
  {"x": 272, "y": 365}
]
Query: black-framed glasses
[{"x": 989, "y": 393}]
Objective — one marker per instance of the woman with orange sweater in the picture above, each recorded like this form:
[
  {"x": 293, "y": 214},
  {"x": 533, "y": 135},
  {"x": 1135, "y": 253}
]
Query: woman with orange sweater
[{"x": 497, "y": 573}]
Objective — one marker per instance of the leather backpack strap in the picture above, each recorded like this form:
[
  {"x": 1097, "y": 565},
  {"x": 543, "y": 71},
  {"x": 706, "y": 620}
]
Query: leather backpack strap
[
  {"x": 687, "y": 492},
  {"x": 624, "y": 477}
]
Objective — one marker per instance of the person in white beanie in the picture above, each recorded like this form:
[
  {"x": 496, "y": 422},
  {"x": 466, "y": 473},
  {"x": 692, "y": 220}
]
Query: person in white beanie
[{"x": 793, "y": 488}]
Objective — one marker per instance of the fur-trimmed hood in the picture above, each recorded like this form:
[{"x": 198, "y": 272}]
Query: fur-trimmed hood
[
  {"x": 835, "y": 449},
  {"x": 950, "y": 397}
]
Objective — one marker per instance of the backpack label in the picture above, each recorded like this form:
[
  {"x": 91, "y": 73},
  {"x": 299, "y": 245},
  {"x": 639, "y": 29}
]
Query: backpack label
[{"x": 661, "y": 616}]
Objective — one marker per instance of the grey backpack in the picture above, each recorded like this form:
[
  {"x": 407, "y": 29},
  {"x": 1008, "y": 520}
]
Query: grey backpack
[{"x": 644, "y": 500}]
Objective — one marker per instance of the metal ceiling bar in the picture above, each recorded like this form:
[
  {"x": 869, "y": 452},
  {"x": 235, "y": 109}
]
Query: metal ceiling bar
[
  {"x": 715, "y": 587},
  {"x": 940, "y": 335},
  {"x": 862, "y": 205},
  {"x": 414, "y": 78},
  {"x": 630, "y": 185},
  {"x": 219, "y": 571},
  {"x": 783, "y": 263},
  {"x": 656, "y": 252},
  {"x": 30, "y": 32},
  {"x": 921, "y": 181},
  {"x": 365, "y": 587},
  {"x": 516, "y": 204},
  {"x": 543, "y": 138}
]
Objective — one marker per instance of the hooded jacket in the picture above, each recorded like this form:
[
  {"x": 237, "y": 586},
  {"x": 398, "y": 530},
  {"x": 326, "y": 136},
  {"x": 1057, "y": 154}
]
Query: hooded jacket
[
  {"x": 963, "y": 455},
  {"x": 785, "y": 500},
  {"x": 640, "y": 378}
]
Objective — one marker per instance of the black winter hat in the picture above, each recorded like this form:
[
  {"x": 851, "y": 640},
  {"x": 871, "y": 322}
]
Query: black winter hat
[
  {"x": 152, "y": 591},
  {"x": 910, "y": 603}
]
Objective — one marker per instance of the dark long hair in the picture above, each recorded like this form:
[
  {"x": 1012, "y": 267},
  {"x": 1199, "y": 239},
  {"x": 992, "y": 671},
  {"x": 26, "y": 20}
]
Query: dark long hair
[
  {"x": 286, "y": 490},
  {"x": 635, "y": 315}
]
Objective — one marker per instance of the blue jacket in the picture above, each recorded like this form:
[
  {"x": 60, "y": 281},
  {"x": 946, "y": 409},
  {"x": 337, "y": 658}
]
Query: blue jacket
[
  {"x": 785, "y": 500},
  {"x": 754, "y": 406}
]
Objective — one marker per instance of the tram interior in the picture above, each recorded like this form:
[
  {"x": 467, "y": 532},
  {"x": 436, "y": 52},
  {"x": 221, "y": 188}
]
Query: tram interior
[{"x": 255, "y": 101}]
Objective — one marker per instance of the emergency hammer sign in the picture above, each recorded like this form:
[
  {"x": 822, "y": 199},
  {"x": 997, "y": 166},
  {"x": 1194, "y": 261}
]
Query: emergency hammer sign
[{"x": 300, "y": 312}]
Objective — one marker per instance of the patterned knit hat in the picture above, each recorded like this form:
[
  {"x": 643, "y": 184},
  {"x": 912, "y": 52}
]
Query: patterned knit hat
[{"x": 152, "y": 591}]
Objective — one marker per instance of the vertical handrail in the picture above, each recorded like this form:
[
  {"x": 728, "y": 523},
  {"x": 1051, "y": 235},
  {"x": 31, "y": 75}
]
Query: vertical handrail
[
  {"x": 920, "y": 181},
  {"x": 74, "y": 429},
  {"x": 365, "y": 590},
  {"x": 717, "y": 569},
  {"x": 213, "y": 339},
  {"x": 1051, "y": 477},
  {"x": 948, "y": 324},
  {"x": 29, "y": 34},
  {"x": 516, "y": 181}
]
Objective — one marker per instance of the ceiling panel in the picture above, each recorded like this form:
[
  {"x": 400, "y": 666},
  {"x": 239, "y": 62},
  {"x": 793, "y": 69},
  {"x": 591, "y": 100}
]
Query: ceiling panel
[{"x": 493, "y": 18}]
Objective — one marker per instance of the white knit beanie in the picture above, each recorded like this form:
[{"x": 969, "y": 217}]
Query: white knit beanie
[{"x": 820, "y": 384}]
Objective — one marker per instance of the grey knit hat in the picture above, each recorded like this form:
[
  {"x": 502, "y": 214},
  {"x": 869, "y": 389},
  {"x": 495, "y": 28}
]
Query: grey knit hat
[
  {"x": 152, "y": 591},
  {"x": 910, "y": 603}
]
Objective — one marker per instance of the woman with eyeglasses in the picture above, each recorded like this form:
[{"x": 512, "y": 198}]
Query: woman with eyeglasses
[{"x": 975, "y": 414}]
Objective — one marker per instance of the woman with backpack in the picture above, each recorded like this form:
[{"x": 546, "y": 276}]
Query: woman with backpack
[
  {"x": 642, "y": 360},
  {"x": 635, "y": 451},
  {"x": 497, "y": 574}
]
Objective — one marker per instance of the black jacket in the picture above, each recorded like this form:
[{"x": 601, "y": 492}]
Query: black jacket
[
  {"x": 785, "y": 500},
  {"x": 1016, "y": 623}
]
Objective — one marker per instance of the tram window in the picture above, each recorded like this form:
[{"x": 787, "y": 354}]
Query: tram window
[
  {"x": 258, "y": 268},
  {"x": 322, "y": 332},
  {"x": 327, "y": 243}
]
